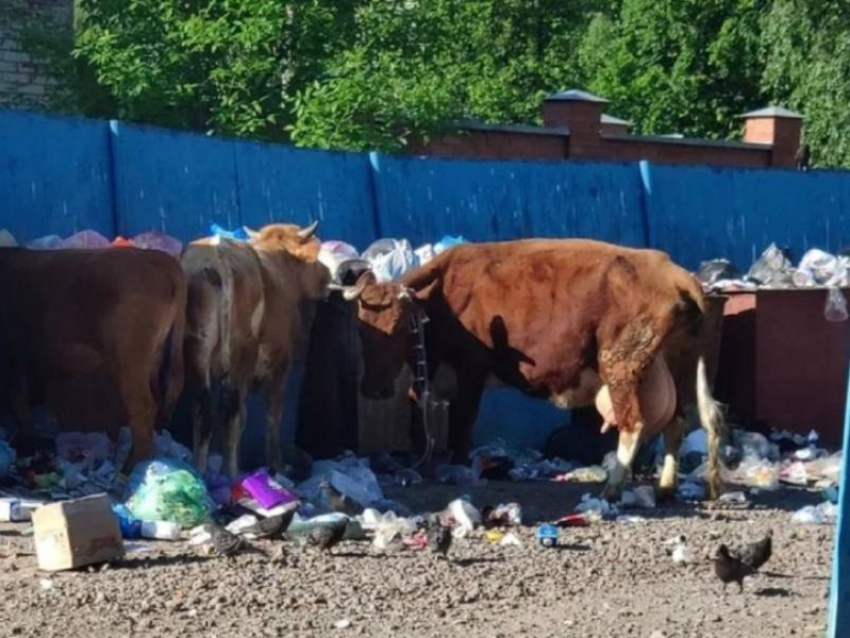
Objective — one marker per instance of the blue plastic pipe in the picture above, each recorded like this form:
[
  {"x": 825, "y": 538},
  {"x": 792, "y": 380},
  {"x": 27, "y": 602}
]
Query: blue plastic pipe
[{"x": 839, "y": 601}]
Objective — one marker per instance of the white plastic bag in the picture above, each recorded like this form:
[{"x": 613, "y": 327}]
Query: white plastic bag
[
  {"x": 836, "y": 306},
  {"x": 390, "y": 259}
]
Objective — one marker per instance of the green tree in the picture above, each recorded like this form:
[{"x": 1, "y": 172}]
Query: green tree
[
  {"x": 417, "y": 64},
  {"x": 683, "y": 66},
  {"x": 224, "y": 66},
  {"x": 806, "y": 46}
]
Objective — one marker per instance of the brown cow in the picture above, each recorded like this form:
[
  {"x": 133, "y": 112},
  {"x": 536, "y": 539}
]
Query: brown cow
[
  {"x": 559, "y": 319},
  {"x": 74, "y": 312},
  {"x": 249, "y": 310}
]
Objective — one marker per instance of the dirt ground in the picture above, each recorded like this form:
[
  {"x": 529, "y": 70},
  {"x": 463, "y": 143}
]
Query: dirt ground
[{"x": 610, "y": 580}]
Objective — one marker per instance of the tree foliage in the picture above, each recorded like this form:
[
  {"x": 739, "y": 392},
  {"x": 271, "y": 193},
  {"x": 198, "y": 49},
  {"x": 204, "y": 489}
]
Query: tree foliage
[{"x": 363, "y": 74}]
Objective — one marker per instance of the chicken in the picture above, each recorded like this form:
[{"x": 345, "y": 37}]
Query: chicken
[
  {"x": 729, "y": 569},
  {"x": 272, "y": 527},
  {"x": 755, "y": 554},
  {"x": 326, "y": 535}
]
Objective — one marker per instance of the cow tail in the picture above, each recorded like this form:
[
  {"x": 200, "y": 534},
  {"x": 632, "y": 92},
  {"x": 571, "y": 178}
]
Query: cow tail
[
  {"x": 711, "y": 419},
  {"x": 175, "y": 377}
]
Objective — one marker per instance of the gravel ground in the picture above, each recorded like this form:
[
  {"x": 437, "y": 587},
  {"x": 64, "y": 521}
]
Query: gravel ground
[{"x": 610, "y": 580}]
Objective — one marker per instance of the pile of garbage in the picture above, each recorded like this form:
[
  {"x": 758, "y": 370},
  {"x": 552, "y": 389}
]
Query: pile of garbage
[
  {"x": 774, "y": 269},
  {"x": 151, "y": 240},
  {"x": 389, "y": 259}
]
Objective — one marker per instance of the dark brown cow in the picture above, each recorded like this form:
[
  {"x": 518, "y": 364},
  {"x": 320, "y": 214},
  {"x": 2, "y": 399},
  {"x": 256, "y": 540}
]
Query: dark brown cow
[
  {"x": 249, "y": 311},
  {"x": 562, "y": 319},
  {"x": 74, "y": 312}
]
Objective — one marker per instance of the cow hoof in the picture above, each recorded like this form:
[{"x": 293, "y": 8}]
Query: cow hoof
[{"x": 612, "y": 493}]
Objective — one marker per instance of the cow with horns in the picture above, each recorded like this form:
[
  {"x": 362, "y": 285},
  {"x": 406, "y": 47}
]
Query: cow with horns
[{"x": 574, "y": 321}]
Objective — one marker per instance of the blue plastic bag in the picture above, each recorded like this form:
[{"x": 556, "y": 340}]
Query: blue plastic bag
[
  {"x": 447, "y": 242},
  {"x": 237, "y": 235}
]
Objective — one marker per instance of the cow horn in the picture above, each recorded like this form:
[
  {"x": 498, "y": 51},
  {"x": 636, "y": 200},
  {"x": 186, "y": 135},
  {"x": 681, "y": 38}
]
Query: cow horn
[
  {"x": 404, "y": 294},
  {"x": 252, "y": 234},
  {"x": 353, "y": 292},
  {"x": 309, "y": 231}
]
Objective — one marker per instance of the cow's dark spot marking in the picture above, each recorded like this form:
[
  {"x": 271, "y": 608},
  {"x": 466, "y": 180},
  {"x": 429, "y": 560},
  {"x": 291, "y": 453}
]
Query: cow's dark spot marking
[{"x": 213, "y": 277}]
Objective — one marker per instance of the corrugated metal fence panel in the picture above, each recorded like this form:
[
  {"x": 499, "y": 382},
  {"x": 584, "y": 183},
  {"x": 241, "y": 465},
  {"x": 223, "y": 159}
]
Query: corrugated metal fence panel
[
  {"x": 283, "y": 184},
  {"x": 698, "y": 213},
  {"x": 424, "y": 199},
  {"x": 54, "y": 175},
  {"x": 177, "y": 183}
]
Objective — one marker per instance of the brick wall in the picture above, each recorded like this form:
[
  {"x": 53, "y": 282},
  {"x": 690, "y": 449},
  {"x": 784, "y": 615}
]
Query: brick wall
[{"x": 24, "y": 78}]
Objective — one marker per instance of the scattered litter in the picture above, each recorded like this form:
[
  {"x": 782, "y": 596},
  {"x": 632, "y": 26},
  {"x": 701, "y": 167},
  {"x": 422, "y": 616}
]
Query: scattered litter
[
  {"x": 494, "y": 536},
  {"x": 630, "y": 518},
  {"x": 546, "y": 535},
  {"x": 459, "y": 475},
  {"x": 465, "y": 515},
  {"x": 345, "y": 623},
  {"x": 678, "y": 549},
  {"x": 733, "y": 498},
  {"x": 168, "y": 490},
  {"x": 576, "y": 519},
  {"x": 76, "y": 533},
  {"x": 503, "y": 515},
  {"x": 691, "y": 491},
  {"x": 160, "y": 530},
  {"x": 641, "y": 497},
  {"x": 589, "y": 474},
  {"x": 390, "y": 258},
  {"x": 510, "y": 540},
  {"x": 266, "y": 491},
  {"x": 598, "y": 506},
  {"x": 46, "y": 584},
  {"x": 815, "y": 514}
]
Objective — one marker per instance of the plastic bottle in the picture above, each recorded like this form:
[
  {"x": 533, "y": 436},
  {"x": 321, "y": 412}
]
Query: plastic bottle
[{"x": 161, "y": 530}]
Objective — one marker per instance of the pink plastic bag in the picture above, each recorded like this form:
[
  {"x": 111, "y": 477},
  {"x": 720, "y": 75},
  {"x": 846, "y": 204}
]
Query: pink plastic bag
[{"x": 154, "y": 240}]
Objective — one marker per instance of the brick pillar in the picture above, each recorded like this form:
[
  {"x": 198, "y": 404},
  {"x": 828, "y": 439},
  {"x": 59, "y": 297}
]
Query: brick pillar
[
  {"x": 780, "y": 128},
  {"x": 581, "y": 112}
]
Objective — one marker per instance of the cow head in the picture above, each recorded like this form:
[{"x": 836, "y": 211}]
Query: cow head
[
  {"x": 384, "y": 313},
  {"x": 301, "y": 244}
]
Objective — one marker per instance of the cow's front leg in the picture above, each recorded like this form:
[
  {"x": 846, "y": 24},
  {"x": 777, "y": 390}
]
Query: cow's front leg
[
  {"x": 627, "y": 448},
  {"x": 673, "y": 435},
  {"x": 274, "y": 396},
  {"x": 462, "y": 413}
]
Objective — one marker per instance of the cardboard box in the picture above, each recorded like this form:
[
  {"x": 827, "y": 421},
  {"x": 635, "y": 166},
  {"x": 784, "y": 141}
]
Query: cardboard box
[{"x": 75, "y": 533}]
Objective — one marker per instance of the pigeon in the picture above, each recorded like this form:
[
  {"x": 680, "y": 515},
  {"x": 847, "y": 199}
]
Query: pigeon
[
  {"x": 729, "y": 569},
  {"x": 327, "y": 535},
  {"x": 439, "y": 540},
  {"x": 338, "y": 501},
  {"x": 226, "y": 544},
  {"x": 755, "y": 554},
  {"x": 272, "y": 527}
]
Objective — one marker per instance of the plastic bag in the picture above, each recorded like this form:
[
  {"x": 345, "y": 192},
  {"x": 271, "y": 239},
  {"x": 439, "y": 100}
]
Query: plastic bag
[
  {"x": 715, "y": 270},
  {"x": 773, "y": 268},
  {"x": 86, "y": 239},
  {"x": 48, "y": 242},
  {"x": 818, "y": 268},
  {"x": 7, "y": 459},
  {"x": 448, "y": 242},
  {"x": 7, "y": 239},
  {"x": 335, "y": 253},
  {"x": 240, "y": 234},
  {"x": 761, "y": 473},
  {"x": 168, "y": 490},
  {"x": 466, "y": 516},
  {"x": 154, "y": 240},
  {"x": 425, "y": 254},
  {"x": 836, "y": 306},
  {"x": 390, "y": 259},
  {"x": 815, "y": 515},
  {"x": 458, "y": 475}
]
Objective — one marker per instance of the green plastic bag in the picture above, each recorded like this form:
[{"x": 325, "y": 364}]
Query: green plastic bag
[{"x": 168, "y": 490}]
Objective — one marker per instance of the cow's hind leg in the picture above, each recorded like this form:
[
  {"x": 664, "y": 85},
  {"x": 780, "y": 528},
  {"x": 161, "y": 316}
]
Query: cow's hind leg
[
  {"x": 234, "y": 418},
  {"x": 673, "y": 435},
  {"x": 274, "y": 396},
  {"x": 205, "y": 418},
  {"x": 627, "y": 448},
  {"x": 141, "y": 408}
]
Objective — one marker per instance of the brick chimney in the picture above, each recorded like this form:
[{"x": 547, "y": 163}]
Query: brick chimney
[
  {"x": 581, "y": 113},
  {"x": 780, "y": 128}
]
